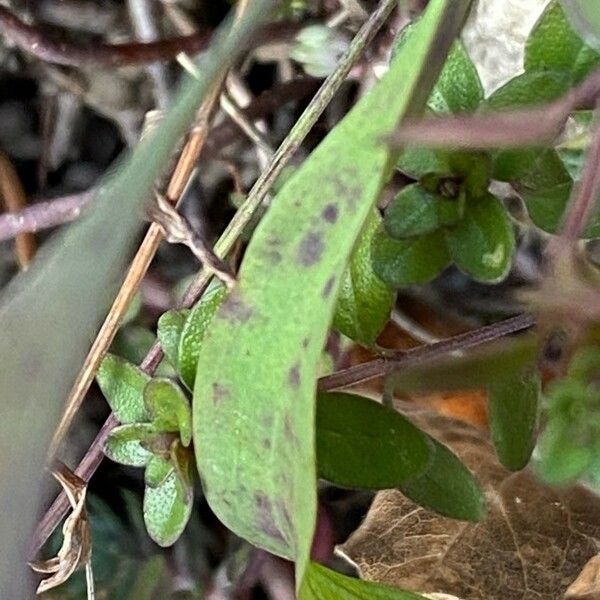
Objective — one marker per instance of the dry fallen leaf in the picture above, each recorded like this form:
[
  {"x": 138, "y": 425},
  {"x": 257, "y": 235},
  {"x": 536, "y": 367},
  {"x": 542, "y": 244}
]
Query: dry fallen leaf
[
  {"x": 76, "y": 549},
  {"x": 532, "y": 545},
  {"x": 587, "y": 585}
]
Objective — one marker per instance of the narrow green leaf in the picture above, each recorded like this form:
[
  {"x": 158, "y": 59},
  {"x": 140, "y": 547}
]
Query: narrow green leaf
[
  {"x": 553, "y": 45},
  {"x": 77, "y": 274},
  {"x": 458, "y": 88},
  {"x": 167, "y": 509},
  {"x": 401, "y": 263},
  {"x": 415, "y": 211},
  {"x": 321, "y": 583},
  {"x": 364, "y": 302},
  {"x": 513, "y": 405},
  {"x": 157, "y": 471},
  {"x": 363, "y": 444},
  {"x": 473, "y": 369},
  {"x": 194, "y": 330},
  {"x": 585, "y": 17},
  {"x": 123, "y": 387},
  {"x": 168, "y": 408},
  {"x": 254, "y": 405},
  {"x": 483, "y": 243},
  {"x": 447, "y": 487},
  {"x": 124, "y": 444},
  {"x": 169, "y": 330}
]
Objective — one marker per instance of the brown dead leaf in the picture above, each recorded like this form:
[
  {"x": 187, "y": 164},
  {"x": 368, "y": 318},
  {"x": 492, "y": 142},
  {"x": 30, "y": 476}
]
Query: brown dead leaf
[
  {"x": 76, "y": 549},
  {"x": 587, "y": 585},
  {"x": 532, "y": 545}
]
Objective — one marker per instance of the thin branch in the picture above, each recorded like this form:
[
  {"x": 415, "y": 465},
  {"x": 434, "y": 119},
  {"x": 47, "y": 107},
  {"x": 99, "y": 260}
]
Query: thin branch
[
  {"x": 500, "y": 129},
  {"x": 384, "y": 365},
  {"x": 243, "y": 216},
  {"x": 585, "y": 195},
  {"x": 43, "y": 215},
  {"x": 35, "y": 41},
  {"x": 15, "y": 199}
]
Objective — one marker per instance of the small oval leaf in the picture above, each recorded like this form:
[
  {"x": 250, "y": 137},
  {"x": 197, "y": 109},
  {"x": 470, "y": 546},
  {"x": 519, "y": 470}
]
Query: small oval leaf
[
  {"x": 167, "y": 509},
  {"x": 194, "y": 330},
  {"x": 554, "y": 45},
  {"x": 401, "y": 263},
  {"x": 124, "y": 444},
  {"x": 364, "y": 302},
  {"x": 513, "y": 403},
  {"x": 415, "y": 211},
  {"x": 168, "y": 408},
  {"x": 483, "y": 243},
  {"x": 363, "y": 444},
  {"x": 169, "y": 330},
  {"x": 157, "y": 471},
  {"x": 122, "y": 384}
]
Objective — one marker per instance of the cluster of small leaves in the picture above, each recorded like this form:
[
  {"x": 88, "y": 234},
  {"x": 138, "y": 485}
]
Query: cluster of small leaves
[
  {"x": 156, "y": 419},
  {"x": 569, "y": 447},
  {"x": 448, "y": 215}
]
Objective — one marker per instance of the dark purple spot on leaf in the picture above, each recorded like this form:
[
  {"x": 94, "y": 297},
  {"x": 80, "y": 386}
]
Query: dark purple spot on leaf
[
  {"x": 266, "y": 444},
  {"x": 330, "y": 213},
  {"x": 235, "y": 309},
  {"x": 294, "y": 376},
  {"x": 265, "y": 518},
  {"x": 311, "y": 248},
  {"x": 219, "y": 393},
  {"x": 305, "y": 342},
  {"x": 328, "y": 287}
]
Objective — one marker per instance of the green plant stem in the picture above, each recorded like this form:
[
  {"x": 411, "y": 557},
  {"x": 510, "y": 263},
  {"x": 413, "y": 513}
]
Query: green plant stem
[{"x": 241, "y": 219}]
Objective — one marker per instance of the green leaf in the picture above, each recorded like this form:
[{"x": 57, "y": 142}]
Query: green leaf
[
  {"x": 458, "y": 88},
  {"x": 529, "y": 89},
  {"x": 483, "y": 243},
  {"x": 167, "y": 509},
  {"x": 254, "y": 405},
  {"x": 169, "y": 330},
  {"x": 124, "y": 444},
  {"x": 123, "y": 387},
  {"x": 321, "y": 583},
  {"x": 168, "y": 408},
  {"x": 562, "y": 459},
  {"x": 363, "y": 444},
  {"x": 553, "y": 45},
  {"x": 417, "y": 162},
  {"x": 401, "y": 263},
  {"x": 157, "y": 471},
  {"x": 194, "y": 331},
  {"x": 364, "y": 302},
  {"x": 78, "y": 274},
  {"x": 585, "y": 17},
  {"x": 447, "y": 487},
  {"x": 513, "y": 403},
  {"x": 473, "y": 369},
  {"x": 415, "y": 211}
]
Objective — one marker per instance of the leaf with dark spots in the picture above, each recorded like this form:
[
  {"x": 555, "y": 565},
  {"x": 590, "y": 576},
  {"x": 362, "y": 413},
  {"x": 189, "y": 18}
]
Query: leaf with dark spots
[
  {"x": 311, "y": 249},
  {"x": 533, "y": 543},
  {"x": 286, "y": 306}
]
